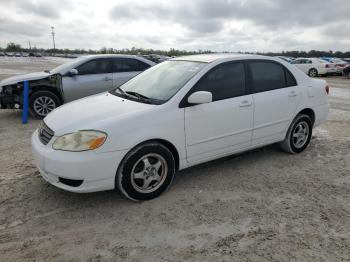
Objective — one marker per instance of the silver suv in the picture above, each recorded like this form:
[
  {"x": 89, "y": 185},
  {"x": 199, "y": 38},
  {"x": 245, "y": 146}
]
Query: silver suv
[{"x": 78, "y": 78}]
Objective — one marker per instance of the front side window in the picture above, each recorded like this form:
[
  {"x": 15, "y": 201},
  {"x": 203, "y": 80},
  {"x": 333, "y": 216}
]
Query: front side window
[
  {"x": 267, "y": 76},
  {"x": 128, "y": 65},
  {"x": 97, "y": 66},
  {"x": 161, "y": 82},
  {"x": 224, "y": 81}
]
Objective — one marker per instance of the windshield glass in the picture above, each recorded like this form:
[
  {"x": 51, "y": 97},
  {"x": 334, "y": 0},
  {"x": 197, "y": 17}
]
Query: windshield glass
[
  {"x": 162, "y": 81},
  {"x": 66, "y": 66}
]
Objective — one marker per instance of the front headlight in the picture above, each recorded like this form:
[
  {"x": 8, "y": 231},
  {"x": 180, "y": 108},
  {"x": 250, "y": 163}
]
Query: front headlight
[{"x": 80, "y": 141}]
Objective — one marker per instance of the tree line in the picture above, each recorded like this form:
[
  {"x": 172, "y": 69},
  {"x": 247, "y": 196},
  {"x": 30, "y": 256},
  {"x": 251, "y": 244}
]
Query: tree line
[{"x": 13, "y": 47}]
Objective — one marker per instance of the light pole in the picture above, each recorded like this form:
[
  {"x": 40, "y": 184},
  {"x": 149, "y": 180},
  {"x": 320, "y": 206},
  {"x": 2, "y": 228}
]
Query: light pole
[{"x": 53, "y": 37}]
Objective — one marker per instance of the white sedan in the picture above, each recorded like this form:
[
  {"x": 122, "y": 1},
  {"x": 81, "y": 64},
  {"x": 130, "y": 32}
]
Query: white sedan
[
  {"x": 177, "y": 114},
  {"x": 314, "y": 66}
]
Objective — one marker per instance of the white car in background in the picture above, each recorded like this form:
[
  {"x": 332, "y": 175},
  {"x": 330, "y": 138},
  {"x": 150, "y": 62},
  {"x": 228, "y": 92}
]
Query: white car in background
[
  {"x": 177, "y": 114},
  {"x": 339, "y": 64},
  {"x": 314, "y": 66}
]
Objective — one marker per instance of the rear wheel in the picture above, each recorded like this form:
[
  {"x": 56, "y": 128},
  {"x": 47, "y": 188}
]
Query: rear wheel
[
  {"x": 313, "y": 72},
  {"x": 42, "y": 103},
  {"x": 146, "y": 172},
  {"x": 299, "y": 135}
]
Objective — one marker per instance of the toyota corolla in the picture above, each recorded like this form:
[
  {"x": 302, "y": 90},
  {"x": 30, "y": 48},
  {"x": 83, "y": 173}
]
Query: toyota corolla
[{"x": 177, "y": 114}]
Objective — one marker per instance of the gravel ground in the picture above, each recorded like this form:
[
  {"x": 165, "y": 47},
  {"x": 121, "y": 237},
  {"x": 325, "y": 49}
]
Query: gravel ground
[{"x": 263, "y": 205}]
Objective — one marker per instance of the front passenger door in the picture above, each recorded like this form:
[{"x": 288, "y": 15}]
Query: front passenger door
[
  {"x": 224, "y": 125},
  {"x": 94, "y": 76}
]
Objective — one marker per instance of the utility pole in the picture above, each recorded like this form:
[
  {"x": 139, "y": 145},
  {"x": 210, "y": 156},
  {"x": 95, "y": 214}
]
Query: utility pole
[
  {"x": 53, "y": 37},
  {"x": 30, "y": 47}
]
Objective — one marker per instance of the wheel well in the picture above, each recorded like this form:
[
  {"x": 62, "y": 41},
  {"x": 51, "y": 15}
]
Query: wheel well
[
  {"x": 309, "y": 112},
  {"x": 48, "y": 89},
  {"x": 170, "y": 146}
]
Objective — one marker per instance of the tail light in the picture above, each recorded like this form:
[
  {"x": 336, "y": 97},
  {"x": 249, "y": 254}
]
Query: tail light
[{"x": 327, "y": 90}]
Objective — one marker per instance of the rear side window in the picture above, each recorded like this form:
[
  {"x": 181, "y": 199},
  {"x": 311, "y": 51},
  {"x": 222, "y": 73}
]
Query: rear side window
[
  {"x": 224, "y": 81},
  {"x": 128, "y": 65},
  {"x": 268, "y": 76},
  {"x": 290, "y": 80},
  {"x": 97, "y": 66}
]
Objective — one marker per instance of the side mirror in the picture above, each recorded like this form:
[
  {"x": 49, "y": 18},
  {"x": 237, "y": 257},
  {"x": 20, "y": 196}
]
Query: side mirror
[
  {"x": 73, "y": 72},
  {"x": 200, "y": 97}
]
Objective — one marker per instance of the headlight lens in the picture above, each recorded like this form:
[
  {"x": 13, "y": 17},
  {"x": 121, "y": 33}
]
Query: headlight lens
[{"x": 80, "y": 141}]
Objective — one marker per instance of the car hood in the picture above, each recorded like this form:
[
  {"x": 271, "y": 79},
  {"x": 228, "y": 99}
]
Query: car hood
[
  {"x": 19, "y": 78},
  {"x": 93, "y": 112}
]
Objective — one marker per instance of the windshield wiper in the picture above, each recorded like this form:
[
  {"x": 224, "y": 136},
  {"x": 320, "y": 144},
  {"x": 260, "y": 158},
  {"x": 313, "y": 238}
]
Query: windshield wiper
[
  {"x": 121, "y": 91},
  {"x": 47, "y": 71},
  {"x": 142, "y": 97},
  {"x": 135, "y": 95},
  {"x": 138, "y": 95}
]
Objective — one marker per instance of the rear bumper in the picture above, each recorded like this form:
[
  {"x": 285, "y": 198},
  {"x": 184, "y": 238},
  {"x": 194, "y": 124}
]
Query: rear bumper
[{"x": 321, "y": 113}]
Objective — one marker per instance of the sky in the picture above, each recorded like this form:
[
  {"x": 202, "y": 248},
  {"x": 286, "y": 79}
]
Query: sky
[{"x": 216, "y": 25}]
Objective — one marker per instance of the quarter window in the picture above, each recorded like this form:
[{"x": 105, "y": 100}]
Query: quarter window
[
  {"x": 224, "y": 81},
  {"x": 268, "y": 76},
  {"x": 128, "y": 65}
]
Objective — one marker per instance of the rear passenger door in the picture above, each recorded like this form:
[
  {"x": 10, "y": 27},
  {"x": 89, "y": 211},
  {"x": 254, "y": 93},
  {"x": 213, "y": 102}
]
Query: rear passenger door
[
  {"x": 94, "y": 76},
  {"x": 126, "y": 68},
  {"x": 224, "y": 125},
  {"x": 275, "y": 95}
]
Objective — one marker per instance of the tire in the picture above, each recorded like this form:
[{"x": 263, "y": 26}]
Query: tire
[
  {"x": 313, "y": 72},
  {"x": 43, "y": 102},
  {"x": 140, "y": 180},
  {"x": 296, "y": 140}
]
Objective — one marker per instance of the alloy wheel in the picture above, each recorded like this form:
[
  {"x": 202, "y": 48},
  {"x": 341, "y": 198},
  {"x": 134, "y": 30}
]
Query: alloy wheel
[
  {"x": 300, "y": 134},
  {"x": 149, "y": 173},
  {"x": 43, "y": 105}
]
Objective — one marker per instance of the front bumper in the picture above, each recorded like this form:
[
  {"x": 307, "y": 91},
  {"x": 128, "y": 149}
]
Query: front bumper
[{"x": 96, "y": 170}]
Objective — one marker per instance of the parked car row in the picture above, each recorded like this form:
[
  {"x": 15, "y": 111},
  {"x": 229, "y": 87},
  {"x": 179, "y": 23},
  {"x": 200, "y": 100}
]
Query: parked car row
[
  {"x": 318, "y": 66},
  {"x": 78, "y": 78},
  {"x": 20, "y": 54}
]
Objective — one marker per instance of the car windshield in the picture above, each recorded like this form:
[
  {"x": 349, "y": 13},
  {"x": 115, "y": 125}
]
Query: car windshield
[
  {"x": 66, "y": 66},
  {"x": 161, "y": 82}
]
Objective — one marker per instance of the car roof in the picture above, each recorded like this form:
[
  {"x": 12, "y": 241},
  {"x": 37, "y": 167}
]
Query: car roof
[
  {"x": 110, "y": 56},
  {"x": 209, "y": 58},
  {"x": 88, "y": 57}
]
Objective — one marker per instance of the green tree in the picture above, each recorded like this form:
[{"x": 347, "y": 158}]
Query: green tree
[{"x": 12, "y": 47}]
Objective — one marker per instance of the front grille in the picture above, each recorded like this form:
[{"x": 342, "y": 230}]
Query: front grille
[{"x": 45, "y": 133}]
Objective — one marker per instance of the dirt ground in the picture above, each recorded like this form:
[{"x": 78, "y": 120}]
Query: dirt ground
[{"x": 263, "y": 205}]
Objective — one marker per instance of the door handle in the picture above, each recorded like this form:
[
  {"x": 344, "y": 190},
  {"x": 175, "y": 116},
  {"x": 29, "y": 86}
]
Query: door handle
[
  {"x": 245, "y": 103},
  {"x": 107, "y": 78},
  {"x": 292, "y": 93}
]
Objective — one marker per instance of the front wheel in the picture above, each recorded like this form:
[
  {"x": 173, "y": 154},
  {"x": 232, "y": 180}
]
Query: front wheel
[
  {"x": 42, "y": 103},
  {"x": 146, "y": 172},
  {"x": 299, "y": 135}
]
